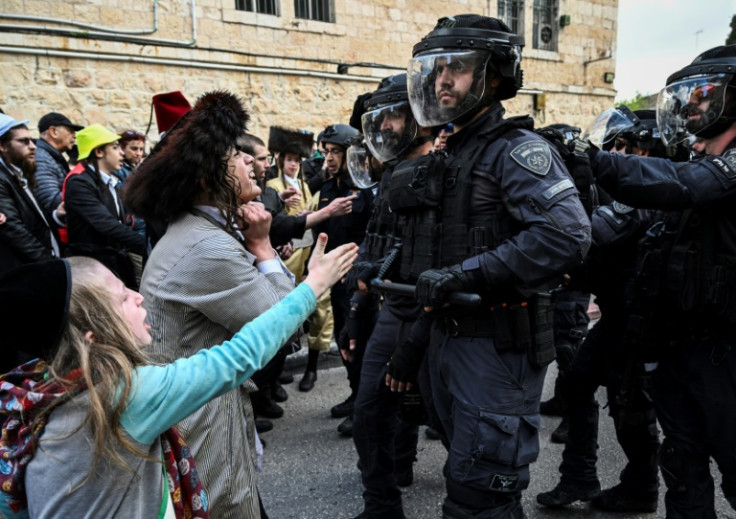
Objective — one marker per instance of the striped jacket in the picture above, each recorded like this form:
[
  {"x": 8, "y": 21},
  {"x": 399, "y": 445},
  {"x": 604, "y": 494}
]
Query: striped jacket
[{"x": 200, "y": 286}]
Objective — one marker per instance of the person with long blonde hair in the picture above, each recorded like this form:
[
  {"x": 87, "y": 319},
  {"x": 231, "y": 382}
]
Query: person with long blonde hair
[{"x": 90, "y": 434}]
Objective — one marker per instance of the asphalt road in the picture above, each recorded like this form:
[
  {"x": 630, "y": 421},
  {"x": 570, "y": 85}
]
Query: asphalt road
[{"x": 310, "y": 470}]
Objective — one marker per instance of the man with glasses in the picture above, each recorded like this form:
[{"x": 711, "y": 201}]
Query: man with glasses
[
  {"x": 58, "y": 136},
  {"x": 351, "y": 227},
  {"x": 27, "y": 236}
]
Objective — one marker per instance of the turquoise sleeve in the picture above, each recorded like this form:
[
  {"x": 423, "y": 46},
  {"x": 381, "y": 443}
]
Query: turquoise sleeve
[
  {"x": 7, "y": 513},
  {"x": 164, "y": 395}
]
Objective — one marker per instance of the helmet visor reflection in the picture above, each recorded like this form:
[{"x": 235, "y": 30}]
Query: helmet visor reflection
[
  {"x": 445, "y": 84},
  {"x": 358, "y": 166},
  {"x": 389, "y": 130},
  {"x": 606, "y": 127},
  {"x": 687, "y": 107}
]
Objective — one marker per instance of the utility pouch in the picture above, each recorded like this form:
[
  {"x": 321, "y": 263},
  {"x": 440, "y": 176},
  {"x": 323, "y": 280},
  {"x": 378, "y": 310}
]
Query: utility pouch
[
  {"x": 417, "y": 183},
  {"x": 542, "y": 348},
  {"x": 512, "y": 327}
]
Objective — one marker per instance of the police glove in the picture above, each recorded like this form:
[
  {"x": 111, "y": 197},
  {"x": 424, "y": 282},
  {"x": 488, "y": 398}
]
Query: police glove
[
  {"x": 364, "y": 271},
  {"x": 404, "y": 364},
  {"x": 435, "y": 285}
]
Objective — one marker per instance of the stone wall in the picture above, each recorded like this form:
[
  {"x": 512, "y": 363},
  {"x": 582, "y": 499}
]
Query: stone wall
[{"x": 285, "y": 68}]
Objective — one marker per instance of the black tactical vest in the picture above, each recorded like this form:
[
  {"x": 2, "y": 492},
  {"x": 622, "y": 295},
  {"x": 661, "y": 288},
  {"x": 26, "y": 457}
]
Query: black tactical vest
[
  {"x": 383, "y": 231},
  {"x": 432, "y": 196}
]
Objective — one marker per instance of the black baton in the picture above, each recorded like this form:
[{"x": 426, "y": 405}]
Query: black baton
[{"x": 402, "y": 289}]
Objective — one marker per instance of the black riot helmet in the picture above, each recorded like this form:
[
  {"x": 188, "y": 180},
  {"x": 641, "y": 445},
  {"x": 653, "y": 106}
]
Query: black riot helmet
[
  {"x": 388, "y": 123},
  {"x": 342, "y": 135},
  {"x": 458, "y": 47},
  {"x": 339, "y": 134},
  {"x": 700, "y": 99},
  {"x": 609, "y": 124}
]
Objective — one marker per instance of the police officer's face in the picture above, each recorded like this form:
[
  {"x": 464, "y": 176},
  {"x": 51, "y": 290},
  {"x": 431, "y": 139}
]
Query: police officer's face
[
  {"x": 619, "y": 145},
  {"x": 394, "y": 121},
  {"x": 333, "y": 157},
  {"x": 454, "y": 80}
]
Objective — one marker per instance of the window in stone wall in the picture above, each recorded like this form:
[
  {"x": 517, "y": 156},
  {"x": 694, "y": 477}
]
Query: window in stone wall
[
  {"x": 320, "y": 10},
  {"x": 512, "y": 14},
  {"x": 257, "y": 6},
  {"x": 545, "y": 25}
]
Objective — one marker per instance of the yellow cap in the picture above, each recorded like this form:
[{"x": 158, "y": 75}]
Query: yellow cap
[{"x": 93, "y": 136}]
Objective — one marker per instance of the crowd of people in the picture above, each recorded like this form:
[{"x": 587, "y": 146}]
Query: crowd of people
[{"x": 150, "y": 298}]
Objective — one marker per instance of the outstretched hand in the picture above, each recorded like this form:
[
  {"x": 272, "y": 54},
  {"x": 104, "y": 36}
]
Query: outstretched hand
[{"x": 327, "y": 269}]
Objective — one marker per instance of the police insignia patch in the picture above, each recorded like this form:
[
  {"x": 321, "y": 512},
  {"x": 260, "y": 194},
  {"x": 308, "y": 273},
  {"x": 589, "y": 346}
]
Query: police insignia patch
[
  {"x": 504, "y": 482},
  {"x": 622, "y": 208},
  {"x": 534, "y": 156},
  {"x": 730, "y": 158}
]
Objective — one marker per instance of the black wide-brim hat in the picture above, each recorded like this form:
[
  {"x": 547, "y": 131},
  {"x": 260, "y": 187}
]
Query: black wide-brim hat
[
  {"x": 279, "y": 138},
  {"x": 34, "y": 305}
]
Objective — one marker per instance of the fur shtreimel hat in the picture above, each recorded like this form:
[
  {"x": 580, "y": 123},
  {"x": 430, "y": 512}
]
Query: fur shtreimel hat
[
  {"x": 279, "y": 137},
  {"x": 34, "y": 304},
  {"x": 168, "y": 181}
]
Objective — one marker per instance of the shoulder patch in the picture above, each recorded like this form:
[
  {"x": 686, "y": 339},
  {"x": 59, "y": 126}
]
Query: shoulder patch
[
  {"x": 534, "y": 156},
  {"x": 727, "y": 163},
  {"x": 621, "y": 208}
]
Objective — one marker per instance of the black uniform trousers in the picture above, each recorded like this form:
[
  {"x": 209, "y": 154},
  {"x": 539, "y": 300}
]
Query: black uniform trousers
[
  {"x": 695, "y": 398},
  {"x": 601, "y": 361},
  {"x": 386, "y": 445}
]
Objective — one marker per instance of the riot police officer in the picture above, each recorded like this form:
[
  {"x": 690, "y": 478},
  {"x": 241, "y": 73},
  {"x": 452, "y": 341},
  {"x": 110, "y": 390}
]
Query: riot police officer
[
  {"x": 507, "y": 220},
  {"x": 687, "y": 278},
  {"x": 347, "y": 228},
  {"x": 387, "y": 447},
  {"x": 610, "y": 356}
]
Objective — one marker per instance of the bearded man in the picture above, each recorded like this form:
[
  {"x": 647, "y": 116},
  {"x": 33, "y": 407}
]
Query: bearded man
[{"x": 27, "y": 236}]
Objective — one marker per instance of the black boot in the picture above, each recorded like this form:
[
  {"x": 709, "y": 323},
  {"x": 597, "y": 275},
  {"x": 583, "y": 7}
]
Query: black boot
[
  {"x": 619, "y": 499},
  {"x": 565, "y": 493},
  {"x": 559, "y": 435},
  {"x": 264, "y": 406},
  {"x": 307, "y": 382}
]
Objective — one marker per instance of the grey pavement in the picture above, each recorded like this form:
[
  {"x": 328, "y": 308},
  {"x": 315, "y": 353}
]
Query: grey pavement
[{"x": 310, "y": 470}]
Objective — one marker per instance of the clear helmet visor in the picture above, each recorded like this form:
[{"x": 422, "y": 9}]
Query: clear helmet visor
[
  {"x": 606, "y": 127},
  {"x": 359, "y": 166},
  {"x": 446, "y": 84},
  {"x": 687, "y": 107},
  {"x": 389, "y": 130}
]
